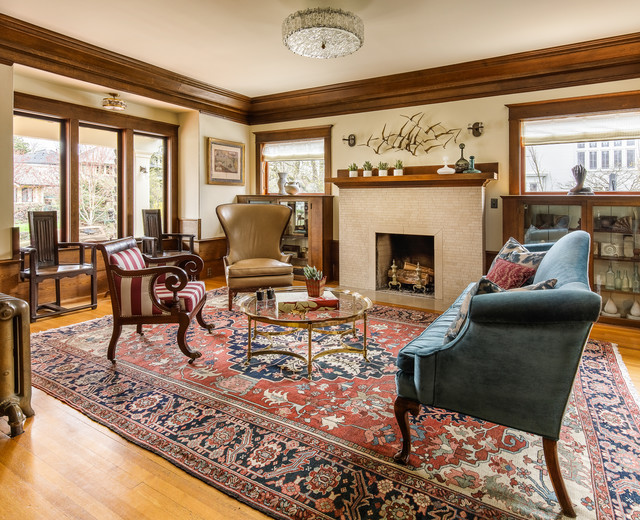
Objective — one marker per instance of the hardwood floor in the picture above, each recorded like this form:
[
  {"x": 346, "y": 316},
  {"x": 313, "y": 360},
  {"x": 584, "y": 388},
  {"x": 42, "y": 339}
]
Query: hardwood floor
[{"x": 66, "y": 466}]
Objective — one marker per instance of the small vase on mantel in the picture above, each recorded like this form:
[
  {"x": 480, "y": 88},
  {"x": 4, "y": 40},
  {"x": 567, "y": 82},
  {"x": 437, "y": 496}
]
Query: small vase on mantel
[
  {"x": 472, "y": 165},
  {"x": 461, "y": 164}
]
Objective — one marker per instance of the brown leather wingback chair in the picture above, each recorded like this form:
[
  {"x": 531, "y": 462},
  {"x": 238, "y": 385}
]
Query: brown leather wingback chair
[{"x": 254, "y": 259}]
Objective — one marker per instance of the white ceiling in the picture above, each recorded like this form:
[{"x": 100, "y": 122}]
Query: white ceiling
[{"x": 236, "y": 44}]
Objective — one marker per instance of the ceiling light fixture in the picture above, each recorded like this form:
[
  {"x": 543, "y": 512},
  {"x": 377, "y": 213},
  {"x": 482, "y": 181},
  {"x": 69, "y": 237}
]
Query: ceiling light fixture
[
  {"x": 323, "y": 32},
  {"x": 113, "y": 102}
]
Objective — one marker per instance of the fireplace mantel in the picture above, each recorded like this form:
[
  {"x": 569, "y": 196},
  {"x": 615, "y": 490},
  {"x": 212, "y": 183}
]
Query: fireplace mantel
[{"x": 418, "y": 176}]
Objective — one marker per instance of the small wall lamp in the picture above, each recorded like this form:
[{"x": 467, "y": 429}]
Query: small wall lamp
[
  {"x": 476, "y": 129},
  {"x": 351, "y": 139}
]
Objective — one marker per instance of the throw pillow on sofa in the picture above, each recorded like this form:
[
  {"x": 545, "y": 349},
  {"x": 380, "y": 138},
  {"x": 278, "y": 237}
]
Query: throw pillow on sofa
[
  {"x": 509, "y": 275},
  {"x": 485, "y": 286}
]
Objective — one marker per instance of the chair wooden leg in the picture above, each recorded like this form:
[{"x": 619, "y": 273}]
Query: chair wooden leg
[
  {"x": 139, "y": 328},
  {"x": 94, "y": 291},
  {"x": 402, "y": 408},
  {"x": 231, "y": 295},
  {"x": 33, "y": 299},
  {"x": 550, "y": 448},
  {"x": 203, "y": 323},
  {"x": 111, "y": 351},
  {"x": 182, "y": 340}
]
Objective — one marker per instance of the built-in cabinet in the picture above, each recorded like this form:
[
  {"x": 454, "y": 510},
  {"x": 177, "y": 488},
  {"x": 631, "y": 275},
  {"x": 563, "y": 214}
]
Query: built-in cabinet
[
  {"x": 309, "y": 235},
  {"x": 611, "y": 220}
]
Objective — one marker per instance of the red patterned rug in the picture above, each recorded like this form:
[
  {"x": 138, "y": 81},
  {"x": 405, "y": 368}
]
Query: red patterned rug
[{"x": 298, "y": 448}]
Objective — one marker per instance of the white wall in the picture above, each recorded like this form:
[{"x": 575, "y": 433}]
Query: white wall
[
  {"x": 6, "y": 159},
  {"x": 211, "y": 195},
  {"x": 492, "y": 146}
]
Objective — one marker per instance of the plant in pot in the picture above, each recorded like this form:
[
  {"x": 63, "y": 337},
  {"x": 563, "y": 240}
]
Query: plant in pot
[
  {"x": 382, "y": 169},
  {"x": 367, "y": 169},
  {"x": 353, "y": 170},
  {"x": 315, "y": 281},
  {"x": 398, "y": 168}
]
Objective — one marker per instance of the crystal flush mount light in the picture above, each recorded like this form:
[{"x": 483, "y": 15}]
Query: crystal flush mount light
[
  {"x": 323, "y": 32},
  {"x": 113, "y": 102}
]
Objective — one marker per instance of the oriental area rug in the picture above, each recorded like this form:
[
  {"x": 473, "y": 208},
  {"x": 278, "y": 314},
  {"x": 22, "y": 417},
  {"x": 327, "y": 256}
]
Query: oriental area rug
[{"x": 294, "y": 447}]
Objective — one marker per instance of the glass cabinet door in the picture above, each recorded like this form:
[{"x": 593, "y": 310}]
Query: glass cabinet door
[
  {"x": 295, "y": 240},
  {"x": 616, "y": 260},
  {"x": 549, "y": 223}
]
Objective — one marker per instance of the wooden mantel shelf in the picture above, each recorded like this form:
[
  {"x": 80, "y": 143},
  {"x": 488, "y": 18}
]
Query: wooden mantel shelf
[{"x": 417, "y": 176}]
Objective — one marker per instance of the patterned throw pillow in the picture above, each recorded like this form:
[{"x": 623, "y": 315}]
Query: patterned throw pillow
[
  {"x": 485, "y": 286},
  {"x": 509, "y": 275},
  {"x": 510, "y": 246},
  {"x": 530, "y": 259}
]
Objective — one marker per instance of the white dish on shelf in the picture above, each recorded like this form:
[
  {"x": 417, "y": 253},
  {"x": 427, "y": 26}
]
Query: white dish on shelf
[
  {"x": 632, "y": 317},
  {"x": 609, "y": 315}
]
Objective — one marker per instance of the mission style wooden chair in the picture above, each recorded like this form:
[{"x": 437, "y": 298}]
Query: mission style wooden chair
[
  {"x": 44, "y": 264},
  {"x": 144, "y": 290},
  {"x": 152, "y": 228}
]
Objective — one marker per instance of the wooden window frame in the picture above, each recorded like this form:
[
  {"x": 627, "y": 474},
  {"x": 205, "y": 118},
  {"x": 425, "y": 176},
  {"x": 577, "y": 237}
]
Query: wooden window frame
[
  {"x": 72, "y": 117},
  {"x": 291, "y": 134},
  {"x": 518, "y": 113}
]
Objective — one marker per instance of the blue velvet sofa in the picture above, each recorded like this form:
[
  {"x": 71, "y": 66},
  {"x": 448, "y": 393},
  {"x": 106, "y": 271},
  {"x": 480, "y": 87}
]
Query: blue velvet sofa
[{"x": 515, "y": 357}]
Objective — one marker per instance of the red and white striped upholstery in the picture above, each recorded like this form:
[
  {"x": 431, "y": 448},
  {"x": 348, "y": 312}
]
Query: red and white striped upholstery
[
  {"x": 134, "y": 292},
  {"x": 189, "y": 297}
]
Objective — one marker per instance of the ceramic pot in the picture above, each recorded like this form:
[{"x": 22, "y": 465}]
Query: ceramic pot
[
  {"x": 292, "y": 187},
  {"x": 282, "y": 180},
  {"x": 382, "y": 173},
  {"x": 315, "y": 288},
  {"x": 367, "y": 173},
  {"x": 353, "y": 173},
  {"x": 398, "y": 171}
]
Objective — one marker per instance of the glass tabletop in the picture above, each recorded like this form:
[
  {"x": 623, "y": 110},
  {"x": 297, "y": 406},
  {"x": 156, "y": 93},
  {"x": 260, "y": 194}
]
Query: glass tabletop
[{"x": 293, "y": 304}]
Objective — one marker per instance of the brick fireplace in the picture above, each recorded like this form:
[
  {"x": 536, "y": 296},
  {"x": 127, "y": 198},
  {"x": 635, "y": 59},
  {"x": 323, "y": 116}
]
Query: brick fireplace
[{"x": 453, "y": 216}]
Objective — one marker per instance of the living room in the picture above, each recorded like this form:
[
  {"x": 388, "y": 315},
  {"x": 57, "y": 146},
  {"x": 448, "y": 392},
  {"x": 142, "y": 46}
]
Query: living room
[{"x": 199, "y": 111}]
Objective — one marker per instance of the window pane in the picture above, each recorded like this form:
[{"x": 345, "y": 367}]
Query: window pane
[
  {"x": 604, "y": 159},
  {"x": 98, "y": 154},
  {"x": 150, "y": 154},
  {"x": 617, "y": 159},
  {"x": 631, "y": 158},
  {"x": 36, "y": 170},
  {"x": 593, "y": 160},
  {"x": 309, "y": 174}
]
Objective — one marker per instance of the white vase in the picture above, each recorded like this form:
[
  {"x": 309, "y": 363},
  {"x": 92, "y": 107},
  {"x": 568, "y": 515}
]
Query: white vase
[
  {"x": 282, "y": 180},
  {"x": 635, "y": 309},
  {"x": 367, "y": 173},
  {"x": 610, "y": 307},
  {"x": 398, "y": 172},
  {"x": 353, "y": 173},
  {"x": 382, "y": 173}
]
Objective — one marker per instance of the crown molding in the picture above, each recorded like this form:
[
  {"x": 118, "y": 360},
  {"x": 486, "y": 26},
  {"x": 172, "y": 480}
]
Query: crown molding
[
  {"x": 33, "y": 46},
  {"x": 595, "y": 61}
]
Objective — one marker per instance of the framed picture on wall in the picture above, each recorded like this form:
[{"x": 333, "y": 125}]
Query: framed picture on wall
[{"x": 225, "y": 162}]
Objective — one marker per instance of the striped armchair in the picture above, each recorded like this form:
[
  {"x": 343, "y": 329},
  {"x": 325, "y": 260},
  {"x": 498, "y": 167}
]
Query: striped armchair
[{"x": 147, "y": 290}]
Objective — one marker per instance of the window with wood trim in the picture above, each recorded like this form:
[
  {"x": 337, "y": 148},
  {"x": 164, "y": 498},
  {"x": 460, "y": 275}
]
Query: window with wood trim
[
  {"x": 304, "y": 154},
  {"x": 97, "y": 169},
  {"x": 548, "y": 139}
]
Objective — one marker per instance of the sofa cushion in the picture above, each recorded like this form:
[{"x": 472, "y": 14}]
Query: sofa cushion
[{"x": 509, "y": 275}]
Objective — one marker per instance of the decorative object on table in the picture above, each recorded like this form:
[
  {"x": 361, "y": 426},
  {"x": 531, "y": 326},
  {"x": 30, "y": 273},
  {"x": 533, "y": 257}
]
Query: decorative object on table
[
  {"x": 383, "y": 167},
  {"x": 476, "y": 129},
  {"x": 323, "y": 33},
  {"x": 398, "y": 169},
  {"x": 610, "y": 309},
  {"x": 282, "y": 180},
  {"x": 472, "y": 165},
  {"x": 314, "y": 280},
  {"x": 225, "y": 162},
  {"x": 292, "y": 187},
  {"x": 461, "y": 164},
  {"x": 446, "y": 169},
  {"x": 413, "y": 137},
  {"x": 634, "y": 312},
  {"x": 579, "y": 174},
  {"x": 609, "y": 249},
  {"x": 367, "y": 169},
  {"x": 353, "y": 170},
  {"x": 610, "y": 278},
  {"x": 623, "y": 225}
]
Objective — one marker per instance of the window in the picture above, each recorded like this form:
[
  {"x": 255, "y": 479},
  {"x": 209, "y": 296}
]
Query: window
[
  {"x": 554, "y": 134},
  {"x": 303, "y": 153},
  {"x": 116, "y": 165}
]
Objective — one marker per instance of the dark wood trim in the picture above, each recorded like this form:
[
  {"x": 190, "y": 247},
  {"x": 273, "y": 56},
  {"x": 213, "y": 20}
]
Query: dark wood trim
[
  {"x": 583, "y": 63},
  {"x": 33, "y": 46},
  {"x": 616, "y": 102},
  {"x": 595, "y": 61},
  {"x": 292, "y": 134},
  {"x": 126, "y": 183}
]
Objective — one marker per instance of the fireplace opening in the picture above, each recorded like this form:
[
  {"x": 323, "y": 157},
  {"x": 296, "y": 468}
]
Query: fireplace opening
[{"x": 405, "y": 263}]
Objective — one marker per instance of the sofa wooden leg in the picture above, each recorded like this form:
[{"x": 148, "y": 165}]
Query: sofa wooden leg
[
  {"x": 550, "y": 448},
  {"x": 402, "y": 408}
]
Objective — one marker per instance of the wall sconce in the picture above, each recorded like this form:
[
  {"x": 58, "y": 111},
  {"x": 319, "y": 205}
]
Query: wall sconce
[
  {"x": 351, "y": 140},
  {"x": 476, "y": 129}
]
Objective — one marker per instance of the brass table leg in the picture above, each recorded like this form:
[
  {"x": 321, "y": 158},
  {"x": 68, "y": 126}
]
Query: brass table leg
[
  {"x": 310, "y": 353},
  {"x": 249, "y": 334},
  {"x": 364, "y": 337}
]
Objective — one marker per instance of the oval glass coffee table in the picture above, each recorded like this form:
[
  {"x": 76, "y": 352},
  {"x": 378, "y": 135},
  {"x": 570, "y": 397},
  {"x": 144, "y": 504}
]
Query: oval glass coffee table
[{"x": 294, "y": 310}]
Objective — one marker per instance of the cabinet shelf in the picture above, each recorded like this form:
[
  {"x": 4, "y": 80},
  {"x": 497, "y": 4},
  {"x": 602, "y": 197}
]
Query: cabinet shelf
[{"x": 617, "y": 258}]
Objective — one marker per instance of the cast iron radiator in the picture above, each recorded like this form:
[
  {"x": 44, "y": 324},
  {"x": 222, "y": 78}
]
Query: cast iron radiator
[{"x": 15, "y": 362}]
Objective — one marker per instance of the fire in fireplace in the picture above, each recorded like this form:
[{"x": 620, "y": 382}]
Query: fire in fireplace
[{"x": 405, "y": 263}]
